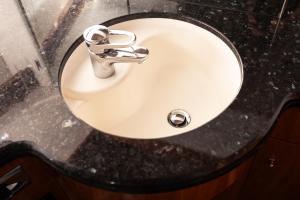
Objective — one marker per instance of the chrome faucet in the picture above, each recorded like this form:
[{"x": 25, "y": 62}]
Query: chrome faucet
[{"x": 104, "y": 54}]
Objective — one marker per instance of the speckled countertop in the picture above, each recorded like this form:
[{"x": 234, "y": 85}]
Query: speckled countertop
[{"x": 35, "y": 120}]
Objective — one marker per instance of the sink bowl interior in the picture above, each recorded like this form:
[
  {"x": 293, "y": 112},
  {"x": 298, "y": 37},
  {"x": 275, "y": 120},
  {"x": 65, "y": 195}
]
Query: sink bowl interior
[{"x": 189, "y": 68}]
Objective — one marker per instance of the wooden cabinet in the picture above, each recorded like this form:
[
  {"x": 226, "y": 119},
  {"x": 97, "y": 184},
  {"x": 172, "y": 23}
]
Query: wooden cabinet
[
  {"x": 275, "y": 173},
  {"x": 275, "y": 170}
]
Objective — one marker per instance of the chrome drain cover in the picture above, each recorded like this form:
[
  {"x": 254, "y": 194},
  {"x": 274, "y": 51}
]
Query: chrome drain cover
[{"x": 179, "y": 118}]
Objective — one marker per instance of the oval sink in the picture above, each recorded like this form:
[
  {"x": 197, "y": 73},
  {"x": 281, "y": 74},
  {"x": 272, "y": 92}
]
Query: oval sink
[{"x": 192, "y": 68}]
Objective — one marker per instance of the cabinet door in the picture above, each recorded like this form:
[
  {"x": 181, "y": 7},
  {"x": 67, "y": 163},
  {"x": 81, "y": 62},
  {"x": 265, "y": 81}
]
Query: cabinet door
[{"x": 275, "y": 173}]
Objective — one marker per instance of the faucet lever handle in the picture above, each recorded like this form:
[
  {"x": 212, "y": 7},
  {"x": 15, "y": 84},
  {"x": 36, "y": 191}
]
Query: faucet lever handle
[
  {"x": 97, "y": 38},
  {"x": 129, "y": 43}
]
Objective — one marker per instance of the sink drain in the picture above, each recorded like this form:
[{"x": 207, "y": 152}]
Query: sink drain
[{"x": 179, "y": 118}]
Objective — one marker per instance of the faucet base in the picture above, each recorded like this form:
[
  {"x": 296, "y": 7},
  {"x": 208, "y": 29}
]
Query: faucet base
[
  {"x": 104, "y": 72},
  {"x": 100, "y": 70}
]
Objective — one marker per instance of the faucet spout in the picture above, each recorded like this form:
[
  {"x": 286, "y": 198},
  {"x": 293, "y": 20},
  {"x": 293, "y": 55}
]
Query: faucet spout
[
  {"x": 104, "y": 54},
  {"x": 134, "y": 55}
]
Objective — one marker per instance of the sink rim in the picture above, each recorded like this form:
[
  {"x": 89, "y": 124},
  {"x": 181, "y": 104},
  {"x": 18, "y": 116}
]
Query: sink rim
[{"x": 130, "y": 17}]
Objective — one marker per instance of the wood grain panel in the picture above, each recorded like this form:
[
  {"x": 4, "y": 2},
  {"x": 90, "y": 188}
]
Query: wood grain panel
[{"x": 288, "y": 126}]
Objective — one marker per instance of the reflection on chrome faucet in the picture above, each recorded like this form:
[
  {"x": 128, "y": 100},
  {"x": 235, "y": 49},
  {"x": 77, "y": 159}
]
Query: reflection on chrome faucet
[{"x": 104, "y": 54}]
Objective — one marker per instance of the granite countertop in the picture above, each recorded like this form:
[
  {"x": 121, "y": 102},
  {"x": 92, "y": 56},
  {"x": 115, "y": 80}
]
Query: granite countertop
[{"x": 35, "y": 120}]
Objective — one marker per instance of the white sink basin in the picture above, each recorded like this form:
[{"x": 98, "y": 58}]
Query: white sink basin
[{"x": 188, "y": 68}]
